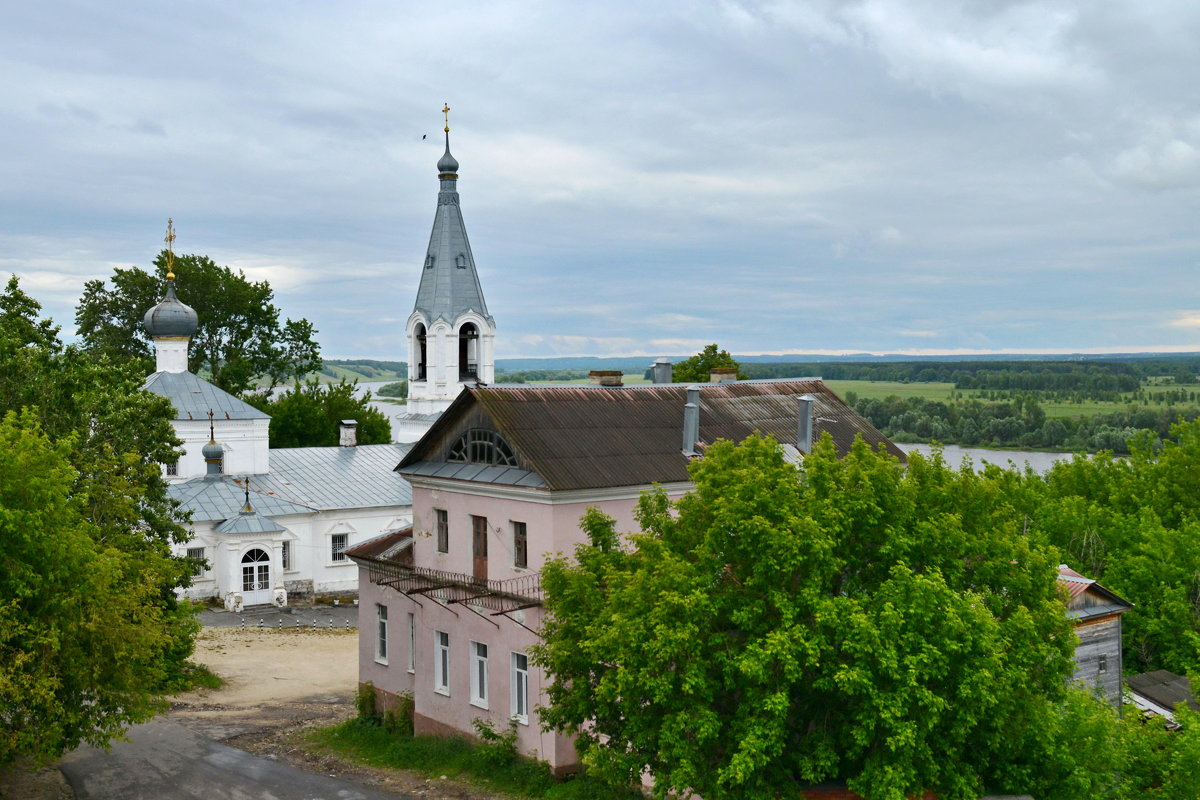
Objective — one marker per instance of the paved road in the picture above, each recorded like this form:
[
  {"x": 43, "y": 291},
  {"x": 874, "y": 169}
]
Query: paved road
[{"x": 164, "y": 760}]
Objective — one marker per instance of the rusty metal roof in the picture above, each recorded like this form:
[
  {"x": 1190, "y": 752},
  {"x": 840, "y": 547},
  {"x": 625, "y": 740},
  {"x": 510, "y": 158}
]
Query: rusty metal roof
[
  {"x": 582, "y": 437},
  {"x": 1087, "y": 599}
]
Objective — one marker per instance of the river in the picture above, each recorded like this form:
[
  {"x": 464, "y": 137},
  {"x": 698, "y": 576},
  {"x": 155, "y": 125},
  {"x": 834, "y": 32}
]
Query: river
[{"x": 953, "y": 454}]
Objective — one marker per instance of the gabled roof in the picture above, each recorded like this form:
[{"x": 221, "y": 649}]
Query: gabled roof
[
  {"x": 193, "y": 396},
  {"x": 218, "y": 497},
  {"x": 449, "y": 284},
  {"x": 1087, "y": 599},
  {"x": 582, "y": 437},
  {"x": 337, "y": 477}
]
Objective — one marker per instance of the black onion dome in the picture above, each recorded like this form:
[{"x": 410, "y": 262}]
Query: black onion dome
[{"x": 171, "y": 317}]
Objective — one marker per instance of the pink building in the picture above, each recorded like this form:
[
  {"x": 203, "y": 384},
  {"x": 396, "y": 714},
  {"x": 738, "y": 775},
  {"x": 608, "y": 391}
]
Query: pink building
[{"x": 450, "y": 609}]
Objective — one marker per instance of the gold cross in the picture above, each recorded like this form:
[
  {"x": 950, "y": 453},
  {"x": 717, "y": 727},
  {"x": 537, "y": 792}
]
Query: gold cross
[
  {"x": 446, "y": 111},
  {"x": 170, "y": 240}
]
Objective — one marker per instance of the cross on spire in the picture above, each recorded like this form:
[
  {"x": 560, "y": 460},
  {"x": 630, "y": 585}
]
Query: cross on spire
[
  {"x": 212, "y": 436},
  {"x": 446, "y": 112},
  {"x": 170, "y": 240}
]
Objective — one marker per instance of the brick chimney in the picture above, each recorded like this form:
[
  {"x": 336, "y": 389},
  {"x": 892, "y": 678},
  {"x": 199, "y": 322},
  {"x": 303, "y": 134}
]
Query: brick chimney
[
  {"x": 348, "y": 433},
  {"x": 722, "y": 374},
  {"x": 606, "y": 377}
]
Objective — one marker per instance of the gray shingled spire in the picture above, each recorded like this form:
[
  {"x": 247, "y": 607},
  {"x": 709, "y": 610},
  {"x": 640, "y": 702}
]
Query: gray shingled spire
[{"x": 449, "y": 284}]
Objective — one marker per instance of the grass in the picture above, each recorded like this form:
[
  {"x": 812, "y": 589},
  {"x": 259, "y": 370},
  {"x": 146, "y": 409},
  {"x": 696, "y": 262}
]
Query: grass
[{"x": 490, "y": 766}]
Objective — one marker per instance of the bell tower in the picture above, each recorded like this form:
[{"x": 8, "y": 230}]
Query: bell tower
[{"x": 450, "y": 333}]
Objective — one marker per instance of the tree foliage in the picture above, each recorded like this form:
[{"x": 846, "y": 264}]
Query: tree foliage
[
  {"x": 308, "y": 415},
  {"x": 856, "y": 621},
  {"x": 697, "y": 368},
  {"x": 91, "y": 634},
  {"x": 240, "y": 338}
]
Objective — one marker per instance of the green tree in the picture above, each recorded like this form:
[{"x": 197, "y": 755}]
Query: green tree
[
  {"x": 91, "y": 634},
  {"x": 854, "y": 621},
  {"x": 697, "y": 368},
  {"x": 307, "y": 415},
  {"x": 240, "y": 338}
]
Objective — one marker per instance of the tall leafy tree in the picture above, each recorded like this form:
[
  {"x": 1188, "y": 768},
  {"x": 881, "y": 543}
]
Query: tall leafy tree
[
  {"x": 240, "y": 338},
  {"x": 308, "y": 415},
  {"x": 91, "y": 634},
  {"x": 697, "y": 368},
  {"x": 894, "y": 629}
]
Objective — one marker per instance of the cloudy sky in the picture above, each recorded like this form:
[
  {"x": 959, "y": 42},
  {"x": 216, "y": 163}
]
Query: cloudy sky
[{"x": 976, "y": 176}]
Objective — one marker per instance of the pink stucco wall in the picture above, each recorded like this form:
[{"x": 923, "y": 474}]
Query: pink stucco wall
[{"x": 552, "y": 527}]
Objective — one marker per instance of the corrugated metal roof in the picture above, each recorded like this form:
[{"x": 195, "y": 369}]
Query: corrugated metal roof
[
  {"x": 394, "y": 546},
  {"x": 577, "y": 437},
  {"x": 1163, "y": 688},
  {"x": 192, "y": 397},
  {"x": 338, "y": 477}
]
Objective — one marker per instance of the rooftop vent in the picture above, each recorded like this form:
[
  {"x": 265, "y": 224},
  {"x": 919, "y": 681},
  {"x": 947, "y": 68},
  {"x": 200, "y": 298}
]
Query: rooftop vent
[
  {"x": 722, "y": 374},
  {"x": 606, "y": 377},
  {"x": 661, "y": 370}
]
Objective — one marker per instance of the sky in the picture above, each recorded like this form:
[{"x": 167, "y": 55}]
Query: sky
[{"x": 636, "y": 178}]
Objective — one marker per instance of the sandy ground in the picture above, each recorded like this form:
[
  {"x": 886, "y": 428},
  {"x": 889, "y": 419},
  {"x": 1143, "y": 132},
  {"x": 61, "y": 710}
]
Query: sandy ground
[{"x": 279, "y": 683}]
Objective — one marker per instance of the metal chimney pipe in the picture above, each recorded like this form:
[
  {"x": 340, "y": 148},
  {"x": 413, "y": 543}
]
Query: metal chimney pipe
[
  {"x": 661, "y": 370},
  {"x": 804, "y": 432},
  {"x": 691, "y": 421}
]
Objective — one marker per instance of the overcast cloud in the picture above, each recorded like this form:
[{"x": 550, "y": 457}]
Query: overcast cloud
[{"x": 777, "y": 177}]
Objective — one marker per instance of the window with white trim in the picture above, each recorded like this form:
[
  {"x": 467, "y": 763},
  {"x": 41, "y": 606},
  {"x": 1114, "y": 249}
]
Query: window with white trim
[
  {"x": 441, "y": 662},
  {"x": 519, "y": 692},
  {"x": 286, "y": 554},
  {"x": 381, "y": 632},
  {"x": 337, "y": 546},
  {"x": 479, "y": 674},
  {"x": 196, "y": 554},
  {"x": 412, "y": 643},
  {"x": 172, "y": 468}
]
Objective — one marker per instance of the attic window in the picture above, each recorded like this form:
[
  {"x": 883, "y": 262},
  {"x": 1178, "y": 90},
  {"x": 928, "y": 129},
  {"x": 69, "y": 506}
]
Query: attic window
[
  {"x": 429, "y": 262},
  {"x": 461, "y": 261},
  {"x": 478, "y": 446}
]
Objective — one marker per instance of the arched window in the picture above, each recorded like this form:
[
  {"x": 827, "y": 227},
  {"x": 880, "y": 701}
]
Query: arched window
[
  {"x": 479, "y": 446},
  {"x": 419, "y": 370},
  {"x": 468, "y": 352}
]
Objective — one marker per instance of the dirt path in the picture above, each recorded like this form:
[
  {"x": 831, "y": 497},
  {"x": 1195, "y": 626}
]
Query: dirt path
[{"x": 279, "y": 684}]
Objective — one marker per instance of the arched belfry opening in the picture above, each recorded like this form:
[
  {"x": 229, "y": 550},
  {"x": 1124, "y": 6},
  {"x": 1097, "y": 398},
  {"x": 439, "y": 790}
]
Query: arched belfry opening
[
  {"x": 468, "y": 352},
  {"x": 421, "y": 355}
]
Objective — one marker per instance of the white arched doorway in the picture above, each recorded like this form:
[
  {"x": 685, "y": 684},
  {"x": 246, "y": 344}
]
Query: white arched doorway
[{"x": 256, "y": 577}]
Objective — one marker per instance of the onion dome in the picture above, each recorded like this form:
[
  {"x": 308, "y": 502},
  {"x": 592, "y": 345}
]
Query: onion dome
[
  {"x": 212, "y": 451},
  {"x": 171, "y": 318},
  {"x": 447, "y": 164}
]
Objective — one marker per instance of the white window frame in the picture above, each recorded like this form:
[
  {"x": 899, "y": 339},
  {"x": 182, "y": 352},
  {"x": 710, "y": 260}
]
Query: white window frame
[
  {"x": 519, "y": 688},
  {"x": 201, "y": 568},
  {"x": 381, "y": 634},
  {"x": 412, "y": 643},
  {"x": 479, "y": 674},
  {"x": 337, "y": 555},
  {"x": 172, "y": 468},
  {"x": 441, "y": 662}
]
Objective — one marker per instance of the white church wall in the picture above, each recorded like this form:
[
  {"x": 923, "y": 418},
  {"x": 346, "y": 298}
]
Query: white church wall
[{"x": 245, "y": 441}]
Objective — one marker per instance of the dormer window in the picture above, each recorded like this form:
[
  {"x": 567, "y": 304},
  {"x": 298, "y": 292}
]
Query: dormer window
[{"x": 478, "y": 446}]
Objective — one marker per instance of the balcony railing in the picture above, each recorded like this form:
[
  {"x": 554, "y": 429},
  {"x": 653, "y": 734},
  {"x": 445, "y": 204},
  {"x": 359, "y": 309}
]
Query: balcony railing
[{"x": 498, "y": 596}]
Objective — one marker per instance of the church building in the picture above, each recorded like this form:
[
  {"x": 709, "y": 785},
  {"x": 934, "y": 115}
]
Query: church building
[
  {"x": 266, "y": 524},
  {"x": 450, "y": 333}
]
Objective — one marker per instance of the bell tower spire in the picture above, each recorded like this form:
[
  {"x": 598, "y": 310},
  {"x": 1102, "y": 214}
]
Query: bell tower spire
[{"x": 450, "y": 332}]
